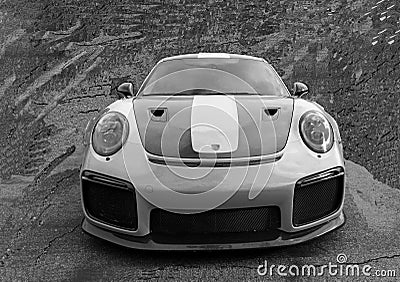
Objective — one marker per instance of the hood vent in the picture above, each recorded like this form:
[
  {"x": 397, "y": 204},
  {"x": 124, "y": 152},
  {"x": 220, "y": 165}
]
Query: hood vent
[
  {"x": 270, "y": 113},
  {"x": 159, "y": 114}
]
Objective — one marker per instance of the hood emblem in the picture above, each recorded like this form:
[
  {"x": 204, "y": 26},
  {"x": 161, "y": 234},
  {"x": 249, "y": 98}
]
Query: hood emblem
[{"x": 215, "y": 147}]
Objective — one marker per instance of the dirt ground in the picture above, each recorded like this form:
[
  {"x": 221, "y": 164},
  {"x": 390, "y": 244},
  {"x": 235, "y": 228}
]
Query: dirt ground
[{"x": 61, "y": 60}]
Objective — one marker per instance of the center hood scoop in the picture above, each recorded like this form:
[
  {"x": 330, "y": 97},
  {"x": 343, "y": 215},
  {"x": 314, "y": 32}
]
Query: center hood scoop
[{"x": 214, "y": 124}]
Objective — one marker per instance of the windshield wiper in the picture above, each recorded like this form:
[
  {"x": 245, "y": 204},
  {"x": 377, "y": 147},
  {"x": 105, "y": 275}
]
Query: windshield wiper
[
  {"x": 194, "y": 92},
  {"x": 243, "y": 93}
]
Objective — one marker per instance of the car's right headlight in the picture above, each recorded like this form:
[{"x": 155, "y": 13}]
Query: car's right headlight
[
  {"x": 316, "y": 131},
  {"x": 110, "y": 133}
]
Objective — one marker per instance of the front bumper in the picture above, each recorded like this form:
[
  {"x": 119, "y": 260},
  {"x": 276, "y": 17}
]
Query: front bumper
[
  {"x": 292, "y": 217},
  {"x": 147, "y": 243}
]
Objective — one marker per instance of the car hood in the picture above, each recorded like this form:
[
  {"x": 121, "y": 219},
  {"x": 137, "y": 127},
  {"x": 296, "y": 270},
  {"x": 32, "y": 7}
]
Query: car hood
[{"x": 213, "y": 126}]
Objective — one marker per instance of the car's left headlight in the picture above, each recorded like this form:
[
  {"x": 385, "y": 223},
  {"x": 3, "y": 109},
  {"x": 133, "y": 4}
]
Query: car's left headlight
[
  {"x": 316, "y": 131},
  {"x": 110, "y": 133}
]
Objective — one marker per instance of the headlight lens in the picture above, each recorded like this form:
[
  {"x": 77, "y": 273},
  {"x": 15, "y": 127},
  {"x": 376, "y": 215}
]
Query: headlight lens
[
  {"x": 316, "y": 131},
  {"x": 110, "y": 133},
  {"x": 90, "y": 125}
]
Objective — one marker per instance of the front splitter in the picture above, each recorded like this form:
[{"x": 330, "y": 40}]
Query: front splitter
[{"x": 146, "y": 242}]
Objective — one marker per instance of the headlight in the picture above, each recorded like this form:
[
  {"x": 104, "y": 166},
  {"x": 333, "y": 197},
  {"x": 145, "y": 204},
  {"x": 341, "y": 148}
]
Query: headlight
[
  {"x": 90, "y": 125},
  {"x": 110, "y": 133},
  {"x": 316, "y": 131}
]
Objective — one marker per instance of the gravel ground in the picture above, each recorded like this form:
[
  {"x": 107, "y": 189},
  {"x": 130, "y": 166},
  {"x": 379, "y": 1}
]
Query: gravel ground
[{"x": 41, "y": 239}]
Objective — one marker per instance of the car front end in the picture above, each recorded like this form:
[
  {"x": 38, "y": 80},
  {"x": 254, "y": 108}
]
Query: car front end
[{"x": 150, "y": 195}]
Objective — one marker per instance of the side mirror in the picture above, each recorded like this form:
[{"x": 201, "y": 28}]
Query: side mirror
[
  {"x": 300, "y": 89},
  {"x": 126, "y": 90}
]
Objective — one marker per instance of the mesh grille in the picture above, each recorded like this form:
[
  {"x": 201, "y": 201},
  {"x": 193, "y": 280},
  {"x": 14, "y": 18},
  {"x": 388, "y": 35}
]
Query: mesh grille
[
  {"x": 317, "y": 200},
  {"x": 216, "y": 221},
  {"x": 109, "y": 200}
]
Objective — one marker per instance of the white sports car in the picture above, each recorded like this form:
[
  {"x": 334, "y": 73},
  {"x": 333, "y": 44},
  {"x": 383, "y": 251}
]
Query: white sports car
[{"x": 212, "y": 152}]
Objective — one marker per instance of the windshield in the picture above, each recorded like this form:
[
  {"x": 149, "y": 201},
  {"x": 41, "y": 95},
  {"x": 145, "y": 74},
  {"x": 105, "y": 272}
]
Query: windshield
[{"x": 213, "y": 76}]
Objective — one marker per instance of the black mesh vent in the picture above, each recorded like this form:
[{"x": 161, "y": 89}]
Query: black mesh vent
[
  {"x": 216, "y": 226},
  {"x": 317, "y": 198},
  {"x": 109, "y": 200}
]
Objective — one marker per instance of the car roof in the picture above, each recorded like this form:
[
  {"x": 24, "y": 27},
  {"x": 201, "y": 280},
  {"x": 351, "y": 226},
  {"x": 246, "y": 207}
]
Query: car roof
[{"x": 211, "y": 56}]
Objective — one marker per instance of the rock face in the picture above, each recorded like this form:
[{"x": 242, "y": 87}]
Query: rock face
[{"x": 60, "y": 61}]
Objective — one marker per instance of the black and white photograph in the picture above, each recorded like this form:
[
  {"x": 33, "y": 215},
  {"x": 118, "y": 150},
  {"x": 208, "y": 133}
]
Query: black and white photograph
[{"x": 186, "y": 140}]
